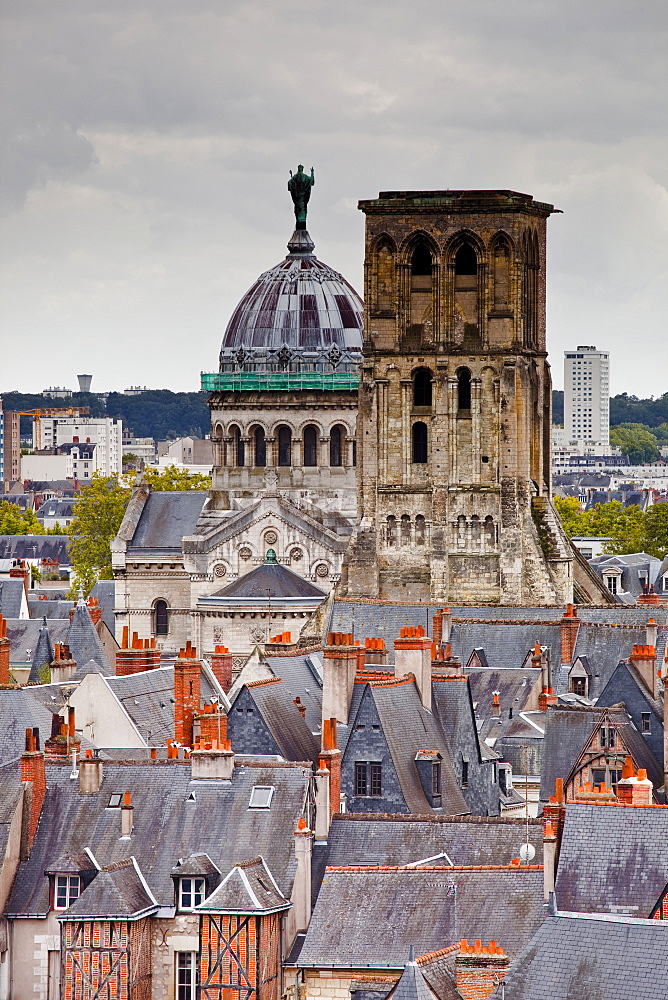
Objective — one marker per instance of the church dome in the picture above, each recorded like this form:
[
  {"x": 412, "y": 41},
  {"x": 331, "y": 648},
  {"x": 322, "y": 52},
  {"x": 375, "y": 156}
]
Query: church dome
[{"x": 299, "y": 315}]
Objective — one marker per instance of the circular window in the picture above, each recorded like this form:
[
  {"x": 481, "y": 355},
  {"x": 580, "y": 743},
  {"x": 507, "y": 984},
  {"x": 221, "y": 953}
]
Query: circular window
[
  {"x": 245, "y": 553},
  {"x": 219, "y": 570},
  {"x": 322, "y": 570},
  {"x": 271, "y": 537}
]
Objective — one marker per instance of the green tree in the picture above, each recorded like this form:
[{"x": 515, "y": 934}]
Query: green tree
[
  {"x": 625, "y": 526},
  {"x": 575, "y": 521},
  {"x": 14, "y": 521},
  {"x": 172, "y": 478},
  {"x": 656, "y": 530},
  {"x": 98, "y": 512},
  {"x": 636, "y": 441}
]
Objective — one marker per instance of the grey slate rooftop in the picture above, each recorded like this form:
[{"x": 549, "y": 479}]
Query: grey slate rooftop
[
  {"x": 53, "y": 547},
  {"x": 270, "y": 580},
  {"x": 83, "y": 640},
  {"x": 573, "y": 956},
  {"x": 19, "y": 711},
  {"x": 165, "y": 519},
  {"x": 174, "y": 817},
  {"x": 370, "y": 917},
  {"x": 277, "y": 710},
  {"x": 356, "y": 839},
  {"x": 302, "y": 677},
  {"x": 613, "y": 858},
  {"x": 566, "y": 731},
  {"x": 11, "y": 597},
  {"x": 248, "y": 888},
  {"x": 117, "y": 891}
]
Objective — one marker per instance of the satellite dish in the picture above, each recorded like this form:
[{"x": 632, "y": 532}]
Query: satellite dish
[{"x": 527, "y": 853}]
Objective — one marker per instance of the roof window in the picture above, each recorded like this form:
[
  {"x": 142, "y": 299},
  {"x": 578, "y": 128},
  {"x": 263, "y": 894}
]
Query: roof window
[{"x": 261, "y": 797}]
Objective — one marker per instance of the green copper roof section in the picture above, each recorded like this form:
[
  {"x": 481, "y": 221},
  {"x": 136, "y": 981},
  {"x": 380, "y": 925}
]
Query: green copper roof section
[{"x": 279, "y": 381}]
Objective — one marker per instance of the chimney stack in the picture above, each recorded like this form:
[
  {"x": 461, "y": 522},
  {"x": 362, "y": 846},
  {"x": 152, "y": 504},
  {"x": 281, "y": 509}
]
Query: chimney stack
[
  {"x": 4, "y": 653},
  {"x": 221, "y": 666},
  {"x": 339, "y": 669},
  {"x": 187, "y": 673},
  {"x": 634, "y": 790},
  {"x": 496, "y": 706},
  {"x": 33, "y": 771},
  {"x": 62, "y": 665},
  {"x": 549, "y": 859},
  {"x": 570, "y": 625},
  {"x": 375, "y": 653},
  {"x": 479, "y": 969},
  {"x": 21, "y": 570},
  {"x": 554, "y": 813},
  {"x": 90, "y": 774},
  {"x": 137, "y": 656},
  {"x": 412, "y": 655},
  {"x": 210, "y": 726},
  {"x": 211, "y": 760},
  {"x": 444, "y": 664},
  {"x": 127, "y": 816},
  {"x": 644, "y": 660},
  {"x": 330, "y": 761},
  {"x": 300, "y": 915}
]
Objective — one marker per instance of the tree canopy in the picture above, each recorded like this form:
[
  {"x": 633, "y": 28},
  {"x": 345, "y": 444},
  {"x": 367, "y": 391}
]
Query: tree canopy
[
  {"x": 173, "y": 478},
  {"x": 629, "y": 528},
  {"x": 636, "y": 441},
  {"x": 14, "y": 521}
]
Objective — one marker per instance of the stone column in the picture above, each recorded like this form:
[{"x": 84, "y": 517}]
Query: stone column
[
  {"x": 407, "y": 437},
  {"x": 476, "y": 418}
]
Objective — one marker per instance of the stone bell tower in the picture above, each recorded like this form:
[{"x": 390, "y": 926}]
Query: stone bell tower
[{"x": 455, "y": 404}]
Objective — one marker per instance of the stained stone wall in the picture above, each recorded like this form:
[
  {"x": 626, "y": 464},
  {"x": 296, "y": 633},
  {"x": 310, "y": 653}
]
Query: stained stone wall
[{"x": 454, "y": 404}]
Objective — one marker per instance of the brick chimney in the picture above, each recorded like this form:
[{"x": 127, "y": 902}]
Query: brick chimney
[
  {"x": 570, "y": 625},
  {"x": 187, "y": 672},
  {"x": 665, "y": 722},
  {"x": 300, "y": 706},
  {"x": 554, "y": 813},
  {"x": 4, "y": 653},
  {"x": 437, "y": 627},
  {"x": 644, "y": 659},
  {"x": 210, "y": 726},
  {"x": 339, "y": 669},
  {"x": 634, "y": 790},
  {"x": 496, "y": 705},
  {"x": 137, "y": 656},
  {"x": 330, "y": 760},
  {"x": 479, "y": 969},
  {"x": 444, "y": 664},
  {"x": 34, "y": 772},
  {"x": 62, "y": 665},
  {"x": 21, "y": 570},
  {"x": 127, "y": 816},
  {"x": 90, "y": 774},
  {"x": 649, "y": 598},
  {"x": 221, "y": 666},
  {"x": 412, "y": 655},
  {"x": 375, "y": 652},
  {"x": 94, "y": 609}
]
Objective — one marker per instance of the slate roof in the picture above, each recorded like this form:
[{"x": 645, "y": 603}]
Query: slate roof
[
  {"x": 19, "y": 711},
  {"x": 605, "y": 647},
  {"x": 302, "y": 677},
  {"x": 412, "y": 985},
  {"x": 11, "y": 597},
  {"x": 23, "y": 634},
  {"x": 566, "y": 731},
  {"x": 84, "y": 642},
  {"x": 613, "y": 859},
  {"x": 284, "y": 721},
  {"x": 408, "y": 728},
  {"x": 116, "y": 891},
  {"x": 505, "y": 645},
  {"x": 10, "y": 792},
  {"x": 402, "y": 840},
  {"x": 248, "y": 888},
  {"x": 52, "y": 608},
  {"x": 514, "y": 687},
  {"x": 627, "y": 686},
  {"x": 597, "y": 957},
  {"x": 165, "y": 519},
  {"x": 370, "y": 917},
  {"x": 53, "y": 547},
  {"x": 105, "y": 592},
  {"x": 270, "y": 580},
  {"x": 56, "y": 507},
  {"x": 174, "y": 817},
  {"x": 43, "y": 653},
  {"x": 148, "y": 698}
]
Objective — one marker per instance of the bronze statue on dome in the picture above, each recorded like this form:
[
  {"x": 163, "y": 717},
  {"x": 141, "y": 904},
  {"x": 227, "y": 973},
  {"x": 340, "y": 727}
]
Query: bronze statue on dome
[{"x": 299, "y": 186}]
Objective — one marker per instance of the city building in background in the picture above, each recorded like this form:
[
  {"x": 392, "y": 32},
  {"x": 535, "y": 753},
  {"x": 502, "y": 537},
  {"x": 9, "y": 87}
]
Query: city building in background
[
  {"x": 105, "y": 432},
  {"x": 10, "y": 446},
  {"x": 587, "y": 397}
]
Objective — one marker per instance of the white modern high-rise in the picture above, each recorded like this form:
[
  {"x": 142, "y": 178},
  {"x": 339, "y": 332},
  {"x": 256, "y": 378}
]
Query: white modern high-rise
[
  {"x": 587, "y": 396},
  {"x": 105, "y": 432}
]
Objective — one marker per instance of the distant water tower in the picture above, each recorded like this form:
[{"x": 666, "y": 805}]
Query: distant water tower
[{"x": 84, "y": 382}]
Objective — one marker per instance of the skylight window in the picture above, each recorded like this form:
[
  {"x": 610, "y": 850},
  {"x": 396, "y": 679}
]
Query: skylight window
[
  {"x": 261, "y": 797},
  {"x": 115, "y": 800}
]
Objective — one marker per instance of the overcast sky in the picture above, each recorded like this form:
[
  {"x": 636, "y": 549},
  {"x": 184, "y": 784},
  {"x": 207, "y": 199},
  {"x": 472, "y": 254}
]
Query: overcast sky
[{"x": 147, "y": 148}]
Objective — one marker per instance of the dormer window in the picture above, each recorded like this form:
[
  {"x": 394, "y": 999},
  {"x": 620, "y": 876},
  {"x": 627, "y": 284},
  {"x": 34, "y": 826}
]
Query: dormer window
[
  {"x": 68, "y": 888},
  {"x": 191, "y": 893}
]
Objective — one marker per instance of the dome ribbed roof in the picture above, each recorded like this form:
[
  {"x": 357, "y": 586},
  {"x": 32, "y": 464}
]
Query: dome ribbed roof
[{"x": 301, "y": 305}]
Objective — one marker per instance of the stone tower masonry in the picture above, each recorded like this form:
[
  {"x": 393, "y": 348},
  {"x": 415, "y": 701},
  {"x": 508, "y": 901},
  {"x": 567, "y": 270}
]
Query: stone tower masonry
[{"x": 455, "y": 405}]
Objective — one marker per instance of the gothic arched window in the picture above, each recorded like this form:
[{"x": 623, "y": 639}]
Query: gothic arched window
[
  {"x": 238, "y": 449},
  {"x": 310, "y": 446},
  {"x": 463, "y": 389},
  {"x": 466, "y": 261},
  {"x": 421, "y": 263},
  {"x": 422, "y": 387},
  {"x": 419, "y": 443},
  {"x": 284, "y": 446}
]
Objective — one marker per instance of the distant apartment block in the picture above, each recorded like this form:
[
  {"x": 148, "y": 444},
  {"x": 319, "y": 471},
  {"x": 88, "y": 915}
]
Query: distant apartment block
[
  {"x": 10, "y": 446},
  {"x": 105, "y": 432},
  {"x": 587, "y": 396}
]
